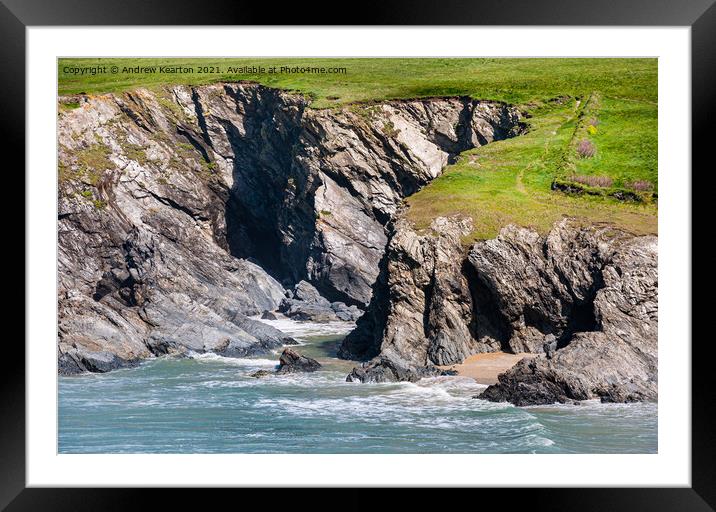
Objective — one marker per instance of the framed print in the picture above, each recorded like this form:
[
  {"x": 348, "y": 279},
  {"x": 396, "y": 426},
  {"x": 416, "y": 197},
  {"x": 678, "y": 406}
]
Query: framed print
[{"x": 383, "y": 255}]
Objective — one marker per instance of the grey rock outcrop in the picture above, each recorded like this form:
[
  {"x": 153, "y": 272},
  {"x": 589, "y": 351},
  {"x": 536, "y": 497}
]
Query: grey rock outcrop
[
  {"x": 346, "y": 313},
  {"x": 78, "y": 361},
  {"x": 168, "y": 199},
  {"x": 306, "y": 292},
  {"x": 383, "y": 369},
  {"x": 293, "y": 362},
  {"x": 290, "y": 361},
  {"x": 585, "y": 295},
  {"x": 611, "y": 351},
  {"x": 305, "y": 302},
  {"x": 268, "y": 315},
  {"x": 259, "y": 374},
  {"x": 422, "y": 313}
]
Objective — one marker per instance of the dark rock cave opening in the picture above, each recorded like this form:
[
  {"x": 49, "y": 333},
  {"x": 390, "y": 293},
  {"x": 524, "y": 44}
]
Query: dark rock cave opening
[{"x": 487, "y": 319}]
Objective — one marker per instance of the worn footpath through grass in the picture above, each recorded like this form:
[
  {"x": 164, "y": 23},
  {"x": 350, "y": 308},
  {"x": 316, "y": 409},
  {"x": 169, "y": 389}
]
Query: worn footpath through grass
[{"x": 510, "y": 181}]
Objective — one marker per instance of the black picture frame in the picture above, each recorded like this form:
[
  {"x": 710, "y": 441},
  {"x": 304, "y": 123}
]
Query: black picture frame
[{"x": 700, "y": 15}]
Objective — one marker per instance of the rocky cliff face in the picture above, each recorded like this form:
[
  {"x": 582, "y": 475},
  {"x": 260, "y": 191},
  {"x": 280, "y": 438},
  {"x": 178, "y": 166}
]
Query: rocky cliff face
[
  {"x": 185, "y": 210},
  {"x": 422, "y": 311},
  {"x": 584, "y": 298},
  {"x": 602, "y": 310}
]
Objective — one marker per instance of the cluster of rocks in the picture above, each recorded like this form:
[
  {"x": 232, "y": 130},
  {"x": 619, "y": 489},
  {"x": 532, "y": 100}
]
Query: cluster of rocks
[
  {"x": 304, "y": 302},
  {"x": 383, "y": 369}
]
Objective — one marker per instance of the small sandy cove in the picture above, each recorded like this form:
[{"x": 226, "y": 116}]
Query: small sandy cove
[{"x": 485, "y": 368}]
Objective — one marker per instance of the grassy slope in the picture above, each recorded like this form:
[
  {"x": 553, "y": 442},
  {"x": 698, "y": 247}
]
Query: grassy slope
[
  {"x": 503, "y": 182},
  {"x": 510, "y": 182}
]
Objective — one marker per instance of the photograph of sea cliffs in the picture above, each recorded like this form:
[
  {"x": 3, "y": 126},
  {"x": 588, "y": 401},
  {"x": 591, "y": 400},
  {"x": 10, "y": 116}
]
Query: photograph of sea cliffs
[{"x": 357, "y": 256}]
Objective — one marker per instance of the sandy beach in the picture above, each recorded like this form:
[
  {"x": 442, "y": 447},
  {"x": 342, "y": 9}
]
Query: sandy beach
[{"x": 485, "y": 368}]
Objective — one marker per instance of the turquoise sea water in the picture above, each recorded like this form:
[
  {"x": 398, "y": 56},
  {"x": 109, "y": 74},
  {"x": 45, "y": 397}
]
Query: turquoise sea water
[{"x": 210, "y": 404}]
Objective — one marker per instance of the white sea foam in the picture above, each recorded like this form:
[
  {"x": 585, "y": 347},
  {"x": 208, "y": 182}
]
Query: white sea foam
[
  {"x": 236, "y": 361},
  {"x": 303, "y": 330},
  {"x": 595, "y": 408}
]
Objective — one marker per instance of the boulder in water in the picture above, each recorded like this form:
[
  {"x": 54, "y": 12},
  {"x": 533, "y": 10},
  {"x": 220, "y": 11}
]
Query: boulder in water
[{"x": 293, "y": 362}]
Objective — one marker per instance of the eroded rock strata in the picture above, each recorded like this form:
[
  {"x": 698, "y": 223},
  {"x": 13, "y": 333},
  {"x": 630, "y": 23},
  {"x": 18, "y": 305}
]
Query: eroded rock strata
[
  {"x": 586, "y": 295},
  {"x": 184, "y": 211},
  {"x": 604, "y": 315},
  {"x": 421, "y": 314}
]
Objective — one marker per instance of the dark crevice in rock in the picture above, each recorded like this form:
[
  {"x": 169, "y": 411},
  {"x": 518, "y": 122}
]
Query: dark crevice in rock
[
  {"x": 178, "y": 206},
  {"x": 535, "y": 317},
  {"x": 250, "y": 240},
  {"x": 582, "y": 317},
  {"x": 111, "y": 281},
  {"x": 581, "y": 314},
  {"x": 265, "y": 176},
  {"x": 257, "y": 202},
  {"x": 134, "y": 117},
  {"x": 381, "y": 216},
  {"x": 201, "y": 119},
  {"x": 198, "y": 146},
  {"x": 464, "y": 132},
  {"x": 363, "y": 343},
  {"x": 487, "y": 319}
]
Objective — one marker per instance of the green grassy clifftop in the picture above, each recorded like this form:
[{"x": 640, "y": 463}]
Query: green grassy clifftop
[{"x": 590, "y": 151}]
